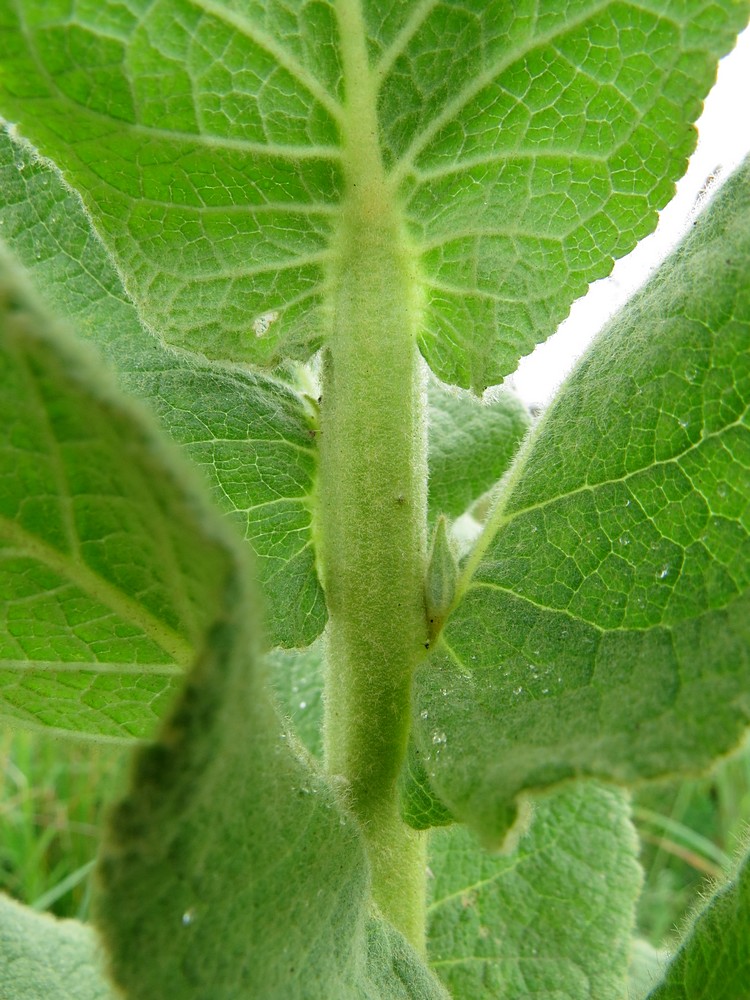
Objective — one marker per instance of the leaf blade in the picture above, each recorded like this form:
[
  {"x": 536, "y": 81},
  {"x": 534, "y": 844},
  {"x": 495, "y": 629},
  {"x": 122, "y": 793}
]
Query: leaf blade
[
  {"x": 714, "y": 959},
  {"x": 40, "y": 956},
  {"x": 251, "y": 435},
  {"x": 195, "y": 816},
  {"x": 471, "y": 445},
  {"x": 98, "y": 564},
  {"x": 552, "y": 918},
  {"x": 523, "y": 168},
  {"x": 604, "y": 628}
]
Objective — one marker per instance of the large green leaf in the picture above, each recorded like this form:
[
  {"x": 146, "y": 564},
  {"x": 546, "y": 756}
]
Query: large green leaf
[
  {"x": 528, "y": 144},
  {"x": 107, "y": 579},
  {"x": 44, "y": 957},
  {"x": 604, "y": 628},
  {"x": 551, "y": 920},
  {"x": 713, "y": 963},
  {"x": 229, "y": 869},
  {"x": 556, "y": 913},
  {"x": 251, "y": 435}
]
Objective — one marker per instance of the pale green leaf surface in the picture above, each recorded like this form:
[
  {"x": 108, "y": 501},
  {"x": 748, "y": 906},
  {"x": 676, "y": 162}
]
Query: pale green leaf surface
[
  {"x": 107, "y": 580},
  {"x": 206, "y": 138},
  {"x": 713, "y": 962},
  {"x": 420, "y": 807},
  {"x": 229, "y": 868},
  {"x": 251, "y": 435},
  {"x": 646, "y": 968},
  {"x": 43, "y": 957},
  {"x": 551, "y": 920},
  {"x": 255, "y": 883},
  {"x": 297, "y": 679},
  {"x": 605, "y": 630},
  {"x": 471, "y": 444}
]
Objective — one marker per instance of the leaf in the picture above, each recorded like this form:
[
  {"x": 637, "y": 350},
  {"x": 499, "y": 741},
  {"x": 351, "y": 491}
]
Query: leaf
[
  {"x": 44, "y": 957},
  {"x": 552, "y": 919},
  {"x": 713, "y": 963},
  {"x": 251, "y": 435},
  {"x": 604, "y": 628},
  {"x": 206, "y": 139},
  {"x": 229, "y": 868},
  {"x": 646, "y": 968},
  {"x": 297, "y": 680},
  {"x": 107, "y": 579},
  {"x": 472, "y": 443}
]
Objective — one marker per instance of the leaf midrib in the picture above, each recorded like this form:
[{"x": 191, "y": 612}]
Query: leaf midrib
[{"x": 98, "y": 588}]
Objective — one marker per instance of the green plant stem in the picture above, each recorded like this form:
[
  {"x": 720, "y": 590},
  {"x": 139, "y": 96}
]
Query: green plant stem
[{"x": 372, "y": 490}]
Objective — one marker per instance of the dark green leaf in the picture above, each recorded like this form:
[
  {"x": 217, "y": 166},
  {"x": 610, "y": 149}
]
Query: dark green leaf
[{"x": 229, "y": 869}]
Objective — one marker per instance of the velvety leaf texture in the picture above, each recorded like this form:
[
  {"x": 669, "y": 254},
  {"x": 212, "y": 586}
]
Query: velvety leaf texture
[
  {"x": 44, "y": 957},
  {"x": 230, "y": 870},
  {"x": 646, "y": 968},
  {"x": 714, "y": 961},
  {"x": 552, "y": 919},
  {"x": 251, "y": 435},
  {"x": 472, "y": 443},
  {"x": 223, "y": 816},
  {"x": 605, "y": 625},
  {"x": 106, "y": 578},
  {"x": 206, "y": 141},
  {"x": 297, "y": 679}
]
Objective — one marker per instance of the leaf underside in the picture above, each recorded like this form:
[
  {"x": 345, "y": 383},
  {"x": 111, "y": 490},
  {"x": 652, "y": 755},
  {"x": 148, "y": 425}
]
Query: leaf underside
[
  {"x": 106, "y": 577},
  {"x": 222, "y": 815},
  {"x": 471, "y": 445},
  {"x": 44, "y": 957},
  {"x": 552, "y": 920},
  {"x": 605, "y": 628},
  {"x": 250, "y": 435},
  {"x": 206, "y": 140},
  {"x": 713, "y": 962}
]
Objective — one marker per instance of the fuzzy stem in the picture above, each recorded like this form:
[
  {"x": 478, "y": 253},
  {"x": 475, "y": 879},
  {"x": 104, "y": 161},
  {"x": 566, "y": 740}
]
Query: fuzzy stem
[{"x": 372, "y": 491}]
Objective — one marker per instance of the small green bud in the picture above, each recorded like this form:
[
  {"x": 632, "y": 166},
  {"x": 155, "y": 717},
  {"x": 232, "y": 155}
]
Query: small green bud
[{"x": 442, "y": 573}]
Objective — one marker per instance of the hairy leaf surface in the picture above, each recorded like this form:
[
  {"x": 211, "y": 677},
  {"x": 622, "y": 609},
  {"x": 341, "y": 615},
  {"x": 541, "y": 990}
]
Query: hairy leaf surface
[
  {"x": 297, "y": 680},
  {"x": 472, "y": 443},
  {"x": 44, "y": 957},
  {"x": 713, "y": 963},
  {"x": 107, "y": 580},
  {"x": 551, "y": 920},
  {"x": 256, "y": 883},
  {"x": 229, "y": 868},
  {"x": 206, "y": 139},
  {"x": 251, "y": 435},
  {"x": 605, "y": 625}
]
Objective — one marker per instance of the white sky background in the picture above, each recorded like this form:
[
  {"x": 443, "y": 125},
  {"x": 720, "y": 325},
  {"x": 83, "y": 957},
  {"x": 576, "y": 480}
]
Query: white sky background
[{"x": 723, "y": 142}]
